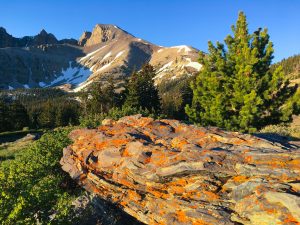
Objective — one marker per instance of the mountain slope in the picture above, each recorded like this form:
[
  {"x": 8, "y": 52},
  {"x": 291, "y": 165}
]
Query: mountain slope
[{"x": 106, "y": 52}]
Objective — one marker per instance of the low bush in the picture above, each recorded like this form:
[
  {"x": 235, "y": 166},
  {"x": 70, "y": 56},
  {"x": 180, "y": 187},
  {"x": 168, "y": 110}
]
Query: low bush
[{"x": 33, "y": 188}]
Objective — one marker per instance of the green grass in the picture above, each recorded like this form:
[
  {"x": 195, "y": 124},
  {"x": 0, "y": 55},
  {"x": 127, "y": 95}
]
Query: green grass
[
  {"x": 10, "y": 149},
  {"x": 289, "y": 131},
  {"x": 33, "y": 187}
]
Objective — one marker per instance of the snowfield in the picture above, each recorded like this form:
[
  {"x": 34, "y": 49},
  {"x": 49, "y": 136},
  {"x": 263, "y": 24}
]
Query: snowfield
[
  {"x": 195, "y": 65},
  {"x": 182, "y": 47},
  {"x": 72, "y": 75}
]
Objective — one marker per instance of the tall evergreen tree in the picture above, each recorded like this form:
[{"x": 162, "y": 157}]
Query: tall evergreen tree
[
  {"x": 132, "y": 91},
  {"x": 236, "y": 88},
  {"x": 18, "y": 117},
  {"x": 142, "y": 91},
  {"x": 4, "y": 126},
  {"x": 48, "y": 115},
  {"x": 101, "y": 97}
]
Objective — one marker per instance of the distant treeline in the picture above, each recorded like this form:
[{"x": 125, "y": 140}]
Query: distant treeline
[
  {"x": 50, "y": 108},
  {"x": 37, "y": 108},
  {"x": 290, "y": 66}
]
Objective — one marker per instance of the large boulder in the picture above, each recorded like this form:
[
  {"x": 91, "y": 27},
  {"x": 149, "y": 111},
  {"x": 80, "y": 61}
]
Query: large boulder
[{"x": 168, "y": 172}]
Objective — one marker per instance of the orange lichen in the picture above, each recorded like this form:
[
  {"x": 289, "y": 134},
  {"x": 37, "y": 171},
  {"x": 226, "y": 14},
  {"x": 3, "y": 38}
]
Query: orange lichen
[
  {"x": 125, "y": 153},
  {"x": 125, "y": 182},
  {"x": 211, "y": 196},
  {"x": 103, "y": 128},
  {"x": 101, "y": 145},
  {"x": 200, "y": 222},
  {"x": 145, "y": 121},
  {"x": 174, "y": 181},
  {"x": 147, "y": 160},
  {"x": 295, "y": 163},
  {"x": 248, "y": 159},
  {"x": 159, "y": 223},
  {"x": 123, "y": 203},
  {"x": 200, "y": 133},
  {"x": 181, "y": 216},
  {"x": 290, "y": 219},
  {"x": 133, "y": 196},
  {"x": 119, "y": 142},
  {"x": 240, "y": 178},
  {"x": 177, "y": 190}
]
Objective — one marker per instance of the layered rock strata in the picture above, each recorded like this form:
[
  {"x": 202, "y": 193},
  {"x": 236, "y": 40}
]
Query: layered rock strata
[{"x": 168, "y": 172}]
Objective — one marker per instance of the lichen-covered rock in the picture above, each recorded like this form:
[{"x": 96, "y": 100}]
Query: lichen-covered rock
[{"x": 168, "y": 172}]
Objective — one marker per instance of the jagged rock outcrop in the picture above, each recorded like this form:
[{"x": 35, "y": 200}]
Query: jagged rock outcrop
[
  {"x": 104, "y": 33},
  {"x": 43, "y": 38},
  {"x": 168, "y": 172},
  {"x": 84, "y": 37},
  {"x": 6, "y": 39}
]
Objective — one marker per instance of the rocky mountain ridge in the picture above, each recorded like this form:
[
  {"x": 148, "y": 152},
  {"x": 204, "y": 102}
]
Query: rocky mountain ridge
[
  {"x": 106, "y": 52},
  {"x": 43, "y": 38}
]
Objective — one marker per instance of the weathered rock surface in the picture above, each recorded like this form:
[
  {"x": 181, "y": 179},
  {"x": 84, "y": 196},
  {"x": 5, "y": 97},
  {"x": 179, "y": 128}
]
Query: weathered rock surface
[{"x": 167, "y": 172}]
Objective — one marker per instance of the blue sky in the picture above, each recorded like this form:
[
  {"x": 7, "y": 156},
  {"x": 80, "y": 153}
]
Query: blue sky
[{"x": 163, "y": 22}]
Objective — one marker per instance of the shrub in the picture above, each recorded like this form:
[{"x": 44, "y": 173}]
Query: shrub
[
  {"x": 282, "y": 130},
  {"x": 33, "y": 187}
]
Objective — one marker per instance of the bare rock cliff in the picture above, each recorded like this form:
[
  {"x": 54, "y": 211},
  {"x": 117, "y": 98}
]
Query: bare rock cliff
[{"x": 168, "y": 172}]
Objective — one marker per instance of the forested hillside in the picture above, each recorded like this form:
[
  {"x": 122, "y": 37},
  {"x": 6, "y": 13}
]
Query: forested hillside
[{"x": 290, "y": 66}]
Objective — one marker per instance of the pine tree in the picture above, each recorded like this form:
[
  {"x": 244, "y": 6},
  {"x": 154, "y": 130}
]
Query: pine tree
[
  {"x": 47, "y": 117},
  {"x": 4, "y": 116},
  {"x": 142, "y": 91},
  {"x": 18, "y": 117},
  {"x": 132, "y": 91},
  {"x": 236, "y": 88}
]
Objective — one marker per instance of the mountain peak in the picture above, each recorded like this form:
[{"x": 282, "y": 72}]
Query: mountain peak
[
  {"x": 44, "y": 38},
  {"x": 3, "y": 30},
  {"x": 43, "y": 32},
  {"x": 103, "y": 33},
  {"x": 6, "y": 40},
  {"x": 84, "y": 37}
]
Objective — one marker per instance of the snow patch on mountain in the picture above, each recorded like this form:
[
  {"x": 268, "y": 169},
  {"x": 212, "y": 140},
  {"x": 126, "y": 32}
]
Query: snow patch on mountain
[
  {"x": 195, "y": 65},
  {"x": 119, "y": 54},
  {"x": 104, "y": 67},
  {"x": 82, "y": 85},
  {"x": 106, "y": 56},
  {"x": 182, "y": 47},
  {"x": 72, "y": 75},
  {"x": 160, "y": 73},
  {"x": 91, "y": 53},
  {"x": 42, "y": 84},
  {"x": 165, "y": 67}
]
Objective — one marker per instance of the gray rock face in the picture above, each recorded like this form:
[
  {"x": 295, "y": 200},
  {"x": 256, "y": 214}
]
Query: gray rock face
[
  {"x": 35, "y": 66},
  {"x": 6, "y": 40},
  {"x": 43, "y": 38},
  {"x": 106, "y": 33},
  {"x": 84, "y": 37}
]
